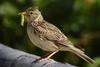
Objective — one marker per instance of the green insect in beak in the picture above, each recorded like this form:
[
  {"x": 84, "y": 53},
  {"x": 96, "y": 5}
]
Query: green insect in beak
[{"x": 22, "y": 18}]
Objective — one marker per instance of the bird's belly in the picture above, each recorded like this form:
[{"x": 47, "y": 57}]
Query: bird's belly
[{"x": 43, "y": 44}]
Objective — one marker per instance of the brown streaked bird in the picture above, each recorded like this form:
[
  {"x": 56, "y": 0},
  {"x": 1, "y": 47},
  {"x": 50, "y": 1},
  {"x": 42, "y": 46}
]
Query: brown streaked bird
[{"x": 47, "y": 36}]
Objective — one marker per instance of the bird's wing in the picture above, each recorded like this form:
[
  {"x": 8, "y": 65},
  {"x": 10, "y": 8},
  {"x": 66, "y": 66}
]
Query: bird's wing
[{"x": 52, "y": 33}]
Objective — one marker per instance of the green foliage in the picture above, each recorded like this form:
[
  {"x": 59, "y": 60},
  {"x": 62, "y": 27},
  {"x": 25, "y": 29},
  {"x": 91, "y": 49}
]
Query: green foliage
[{"x": 8, "y": 9}]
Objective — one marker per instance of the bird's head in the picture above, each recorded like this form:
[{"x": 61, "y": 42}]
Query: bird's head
[{"x": 30, "y": 15}]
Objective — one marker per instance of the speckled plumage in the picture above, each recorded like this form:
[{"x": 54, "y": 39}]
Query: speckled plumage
[{"x": 47, "y": 36}]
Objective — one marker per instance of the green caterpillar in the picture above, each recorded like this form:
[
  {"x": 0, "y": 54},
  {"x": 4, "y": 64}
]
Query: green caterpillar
[{"x": 22, "y": 18}]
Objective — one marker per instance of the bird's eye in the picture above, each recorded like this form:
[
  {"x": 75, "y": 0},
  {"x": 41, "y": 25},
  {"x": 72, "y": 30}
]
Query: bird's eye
[{"x": 31, "y": 12}]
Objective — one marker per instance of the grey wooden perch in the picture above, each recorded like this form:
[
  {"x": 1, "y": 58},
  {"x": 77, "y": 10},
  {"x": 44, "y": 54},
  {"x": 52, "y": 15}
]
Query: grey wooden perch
[{"x": 14, "y": 58}]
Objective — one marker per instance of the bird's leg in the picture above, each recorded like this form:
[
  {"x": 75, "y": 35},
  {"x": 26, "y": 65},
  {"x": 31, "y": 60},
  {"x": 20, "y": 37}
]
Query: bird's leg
[{"x": 47, "y": 56}]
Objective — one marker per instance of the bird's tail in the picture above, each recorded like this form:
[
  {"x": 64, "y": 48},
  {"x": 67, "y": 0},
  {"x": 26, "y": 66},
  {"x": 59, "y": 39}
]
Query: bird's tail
[{"x": 79, "y": 53}]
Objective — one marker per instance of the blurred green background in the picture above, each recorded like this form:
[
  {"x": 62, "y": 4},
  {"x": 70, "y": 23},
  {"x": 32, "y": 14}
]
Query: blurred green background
[{"x": 78, "y": 19}]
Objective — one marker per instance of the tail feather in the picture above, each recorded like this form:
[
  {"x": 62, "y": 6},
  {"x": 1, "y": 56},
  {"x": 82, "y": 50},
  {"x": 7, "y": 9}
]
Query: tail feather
[
  {"x": 84, "y": 57},
  {"x": 81, "y": 54},
  {"x": 78, "y": 52}
]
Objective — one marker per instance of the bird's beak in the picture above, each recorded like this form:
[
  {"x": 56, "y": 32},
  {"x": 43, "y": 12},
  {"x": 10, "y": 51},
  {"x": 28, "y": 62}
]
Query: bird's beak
[
  {"x": 22, "y": 17},
  {"x": 22, "y": 13}
]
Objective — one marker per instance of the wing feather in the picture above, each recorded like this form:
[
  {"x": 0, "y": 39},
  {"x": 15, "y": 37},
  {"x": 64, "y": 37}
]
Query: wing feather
[{"x": 52, "y": 33}]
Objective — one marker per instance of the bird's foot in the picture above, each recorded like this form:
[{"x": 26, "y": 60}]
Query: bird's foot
[
  {"x": 46, "y": 57},
  {"x": 41, "y": 59}
]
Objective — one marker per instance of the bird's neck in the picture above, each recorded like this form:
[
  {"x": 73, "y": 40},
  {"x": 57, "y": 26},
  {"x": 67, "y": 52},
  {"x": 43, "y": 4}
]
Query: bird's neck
[
  {"x": 39, "y": 18},
  {"x": 37, "y": 21}
]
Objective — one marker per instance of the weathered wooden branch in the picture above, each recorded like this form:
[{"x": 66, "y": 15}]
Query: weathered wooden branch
[{"x": 14, "y": 58}]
